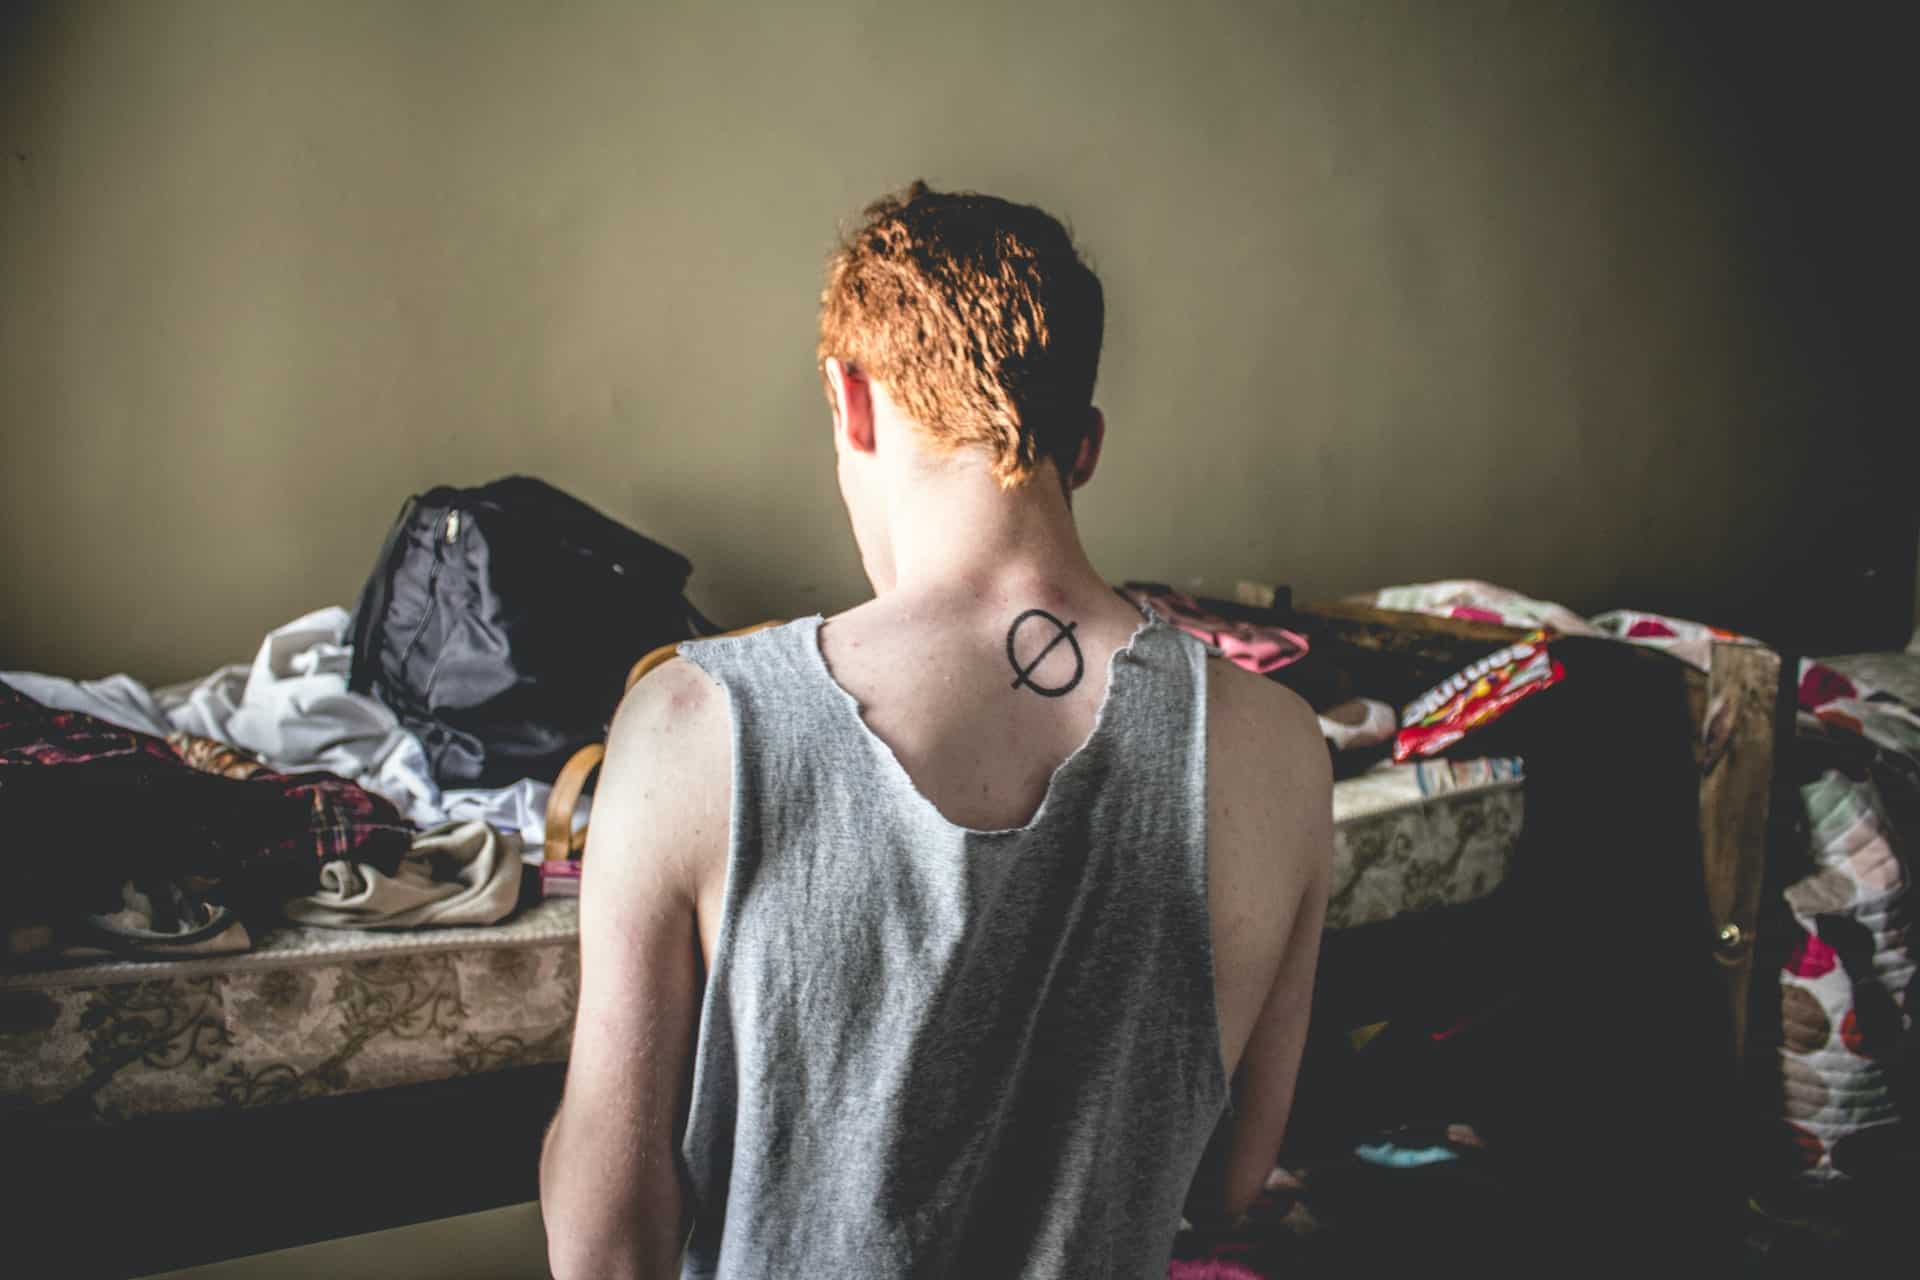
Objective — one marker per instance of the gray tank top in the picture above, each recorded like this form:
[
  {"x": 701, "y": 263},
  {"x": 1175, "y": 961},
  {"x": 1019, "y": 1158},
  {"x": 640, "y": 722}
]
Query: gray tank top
[{"x": 930, "y": 1051}]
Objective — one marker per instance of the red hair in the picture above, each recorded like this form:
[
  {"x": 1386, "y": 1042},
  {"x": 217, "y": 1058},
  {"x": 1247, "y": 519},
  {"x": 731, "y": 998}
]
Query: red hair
[{"x": 980, "y": 318}]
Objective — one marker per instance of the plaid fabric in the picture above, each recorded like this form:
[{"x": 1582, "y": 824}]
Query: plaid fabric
[
  {"x": 88, "y": 805},
  {"x": 344, "y": 820},
  {"x": 34, "y": 734}
]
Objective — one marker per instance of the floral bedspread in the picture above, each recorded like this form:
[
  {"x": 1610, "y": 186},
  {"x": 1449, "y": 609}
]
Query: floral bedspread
[
  {"x": 308, "y": 1013},
  {"x": 1392, "y": 856}
]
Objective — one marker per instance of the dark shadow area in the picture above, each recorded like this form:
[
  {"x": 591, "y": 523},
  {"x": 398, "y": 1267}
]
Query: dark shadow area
[
  {"x": 171, "y": 1191},
  {"x": 1813, "y": 111}
]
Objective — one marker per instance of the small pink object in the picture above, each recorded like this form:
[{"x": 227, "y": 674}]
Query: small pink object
[
  {"x": 1820, "y": 684},
  {"x": 560, "y": 878},
  {"x": 1209, "y": 1269},
  {"x": 1812, "y": 958},
  {"x": 1258, "y": 648}
]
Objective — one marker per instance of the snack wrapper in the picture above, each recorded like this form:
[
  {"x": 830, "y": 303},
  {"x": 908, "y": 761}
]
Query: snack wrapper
[{"x": 1478, "y": 693}]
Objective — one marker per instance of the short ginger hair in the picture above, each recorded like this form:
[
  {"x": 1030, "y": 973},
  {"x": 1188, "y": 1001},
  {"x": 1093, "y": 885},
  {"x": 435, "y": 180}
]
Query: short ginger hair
[{"x": 980, "y": 318}]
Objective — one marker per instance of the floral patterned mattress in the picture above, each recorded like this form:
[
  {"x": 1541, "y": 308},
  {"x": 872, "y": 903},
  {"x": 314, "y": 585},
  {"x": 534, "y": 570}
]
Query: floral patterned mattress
[
  {"x": 308, "y": 1012},
  {"x": 1415, "y": 837},
  {"x": 313, "y": 1012}
]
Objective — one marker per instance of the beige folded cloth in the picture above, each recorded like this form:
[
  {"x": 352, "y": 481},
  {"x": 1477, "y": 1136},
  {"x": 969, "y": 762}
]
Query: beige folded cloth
[{"x": 459, "y": 873}]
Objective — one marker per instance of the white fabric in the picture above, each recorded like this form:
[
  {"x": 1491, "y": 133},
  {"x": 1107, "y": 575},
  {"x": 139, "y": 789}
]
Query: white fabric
[
  {"x": 292, "y": 708},
  {"x": 1378, "y": 722},
  {"x": 1690, "y": 642},
  {"x": 462, "y": 873},
  {"x": 1514, "y": 609},
  {"x": 520, "y": 808},
  {"x": 120, "y": 700}
]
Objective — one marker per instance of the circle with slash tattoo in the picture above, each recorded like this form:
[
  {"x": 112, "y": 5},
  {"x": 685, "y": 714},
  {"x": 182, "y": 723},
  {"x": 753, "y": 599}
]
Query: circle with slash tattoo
[{"x": 1023, "y": 674}]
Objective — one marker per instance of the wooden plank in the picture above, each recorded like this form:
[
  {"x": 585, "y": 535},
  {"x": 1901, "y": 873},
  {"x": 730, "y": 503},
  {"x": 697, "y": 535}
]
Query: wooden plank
[
  {"x": 1395, "y": 655},
  {"x": 1397, "y": 631},
  {"x": 1737, "y": 738}
]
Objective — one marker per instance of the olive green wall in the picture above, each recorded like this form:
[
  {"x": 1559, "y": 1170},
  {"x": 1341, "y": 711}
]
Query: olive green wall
[{"x": 1396, "y": 292}]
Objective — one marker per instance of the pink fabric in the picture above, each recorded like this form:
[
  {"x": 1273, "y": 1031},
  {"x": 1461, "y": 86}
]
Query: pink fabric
[
  {"x": 1209, "y": 1269},
  {"x": 1821, "y": 684},
  {"x": 1245, "y": 644},
  {"x": 1812, "y": 958}
]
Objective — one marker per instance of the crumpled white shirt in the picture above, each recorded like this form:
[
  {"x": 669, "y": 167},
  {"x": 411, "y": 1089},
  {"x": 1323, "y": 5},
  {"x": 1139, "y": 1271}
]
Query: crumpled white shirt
[{"x": 292, "y": 708}]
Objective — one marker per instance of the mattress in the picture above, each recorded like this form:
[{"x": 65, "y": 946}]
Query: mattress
[
  {"x": 313, "y": 1012},
  {"x": 308, "y": 1013},
  {"x": 1416, "y": 837}
]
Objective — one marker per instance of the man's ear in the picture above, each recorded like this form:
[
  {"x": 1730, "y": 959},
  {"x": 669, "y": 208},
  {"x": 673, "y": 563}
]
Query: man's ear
[
  {"x": 1088, "y": 458},
  {"x": 852, "y": 398}
]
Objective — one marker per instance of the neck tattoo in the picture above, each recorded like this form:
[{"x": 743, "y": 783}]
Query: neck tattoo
[{"x": 1039, "y": 632}]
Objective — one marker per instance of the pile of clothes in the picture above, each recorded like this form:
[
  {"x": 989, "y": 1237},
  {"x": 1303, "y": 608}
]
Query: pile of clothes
[
  {"x": 292, "y": 708},
  {"x": 160, "y": 822},
  {"x": 384, "y": 769}
]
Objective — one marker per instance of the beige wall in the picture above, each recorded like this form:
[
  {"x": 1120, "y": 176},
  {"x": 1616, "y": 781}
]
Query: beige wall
[{"x": 1396, "y": 291}]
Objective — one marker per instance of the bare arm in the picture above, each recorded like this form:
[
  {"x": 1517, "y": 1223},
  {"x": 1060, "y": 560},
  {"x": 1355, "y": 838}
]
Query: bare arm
[
  {"x": 1263, "y": 1086},
  {"x": 610, "y": 1190},
  {"x": 1270, "y": 853}
]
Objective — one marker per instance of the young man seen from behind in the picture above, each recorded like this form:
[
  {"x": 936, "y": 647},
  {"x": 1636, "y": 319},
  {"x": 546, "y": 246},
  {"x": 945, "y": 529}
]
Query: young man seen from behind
[{"x": 926, "y": 938}]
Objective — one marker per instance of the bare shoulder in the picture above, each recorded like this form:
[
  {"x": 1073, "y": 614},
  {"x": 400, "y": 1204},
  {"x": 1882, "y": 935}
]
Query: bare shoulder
[
  {"x": 1255, "y": 703},
  {"x": 677, "y": 693},
  {"x": 666, "y": 783},
  {"x": 1269, "y": 857},
  {"x": 1268, "y": 762},
  {"x": 1252, "y": 714},
  {"x": 667, "y": 730}
]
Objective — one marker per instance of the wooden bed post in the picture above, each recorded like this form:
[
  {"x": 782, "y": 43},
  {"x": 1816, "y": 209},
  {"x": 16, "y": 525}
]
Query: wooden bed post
[{"x": 1738, "y": 743}]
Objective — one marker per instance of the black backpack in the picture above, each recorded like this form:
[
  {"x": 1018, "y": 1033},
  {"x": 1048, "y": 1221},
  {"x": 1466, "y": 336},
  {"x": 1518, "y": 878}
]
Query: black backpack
[{"x": 500, "y": 622}]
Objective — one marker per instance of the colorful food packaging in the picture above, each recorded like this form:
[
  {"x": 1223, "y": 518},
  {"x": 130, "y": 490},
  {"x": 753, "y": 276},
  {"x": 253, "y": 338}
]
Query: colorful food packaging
[{"x": 1478, "y": 693}]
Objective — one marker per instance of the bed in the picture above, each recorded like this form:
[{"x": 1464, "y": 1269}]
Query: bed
[
  {"x": 307, "y": 1013},
  {"x": 281, "y": 1053},
  {"x": 312, "y": 1013}
]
